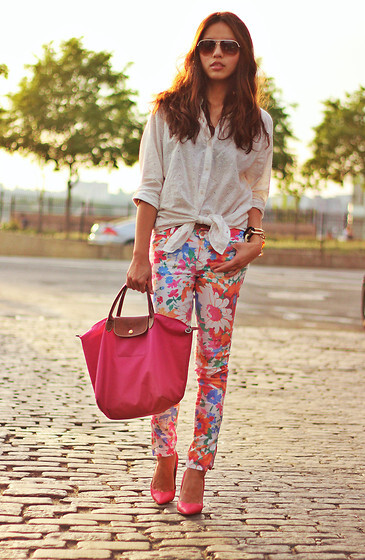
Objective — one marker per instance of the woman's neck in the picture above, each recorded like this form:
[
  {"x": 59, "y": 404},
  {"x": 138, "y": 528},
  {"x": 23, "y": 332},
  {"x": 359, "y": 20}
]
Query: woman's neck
[{"x": 216, "y": 93}]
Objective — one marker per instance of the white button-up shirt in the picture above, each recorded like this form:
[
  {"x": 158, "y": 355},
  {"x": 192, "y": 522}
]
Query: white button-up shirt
[{"x": 208, "y": 182}]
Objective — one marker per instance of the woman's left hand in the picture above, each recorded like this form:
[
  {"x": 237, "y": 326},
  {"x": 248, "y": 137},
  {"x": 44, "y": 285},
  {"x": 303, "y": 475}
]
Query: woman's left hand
[{"x": 245, "y": 253}]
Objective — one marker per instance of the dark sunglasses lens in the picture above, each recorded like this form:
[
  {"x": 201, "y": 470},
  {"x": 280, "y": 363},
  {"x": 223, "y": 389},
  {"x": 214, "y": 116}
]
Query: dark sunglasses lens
[
  {"x": 229, "y": 47},
  {"x": 206, "y": 47}
]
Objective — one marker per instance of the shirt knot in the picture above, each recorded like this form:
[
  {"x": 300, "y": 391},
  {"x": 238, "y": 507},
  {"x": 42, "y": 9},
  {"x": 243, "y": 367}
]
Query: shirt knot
[{"x": 219, "y": 233}]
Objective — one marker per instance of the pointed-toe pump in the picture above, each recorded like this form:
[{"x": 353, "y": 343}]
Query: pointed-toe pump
[
  {"x": 165, "y": 497},
  {"x": 190, "y": 508}
]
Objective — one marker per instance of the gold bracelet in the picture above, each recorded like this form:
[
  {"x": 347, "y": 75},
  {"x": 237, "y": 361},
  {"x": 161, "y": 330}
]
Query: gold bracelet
[{"x": 250, "y": 231}]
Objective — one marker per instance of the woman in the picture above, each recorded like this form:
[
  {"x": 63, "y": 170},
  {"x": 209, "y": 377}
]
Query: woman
[{"x": 205, "y": 158}]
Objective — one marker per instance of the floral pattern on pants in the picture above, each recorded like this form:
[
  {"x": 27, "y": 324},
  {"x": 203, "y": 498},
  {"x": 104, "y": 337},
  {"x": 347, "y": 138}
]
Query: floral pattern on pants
[{"x": 180, "y": 279}]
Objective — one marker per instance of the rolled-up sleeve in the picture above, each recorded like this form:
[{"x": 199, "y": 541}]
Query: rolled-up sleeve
[
  {"x": 259, "y": 174},
  {"x": 151, "y": 162}
]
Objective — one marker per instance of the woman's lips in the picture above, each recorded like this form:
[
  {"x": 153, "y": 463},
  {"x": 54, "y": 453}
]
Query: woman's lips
[{"x": 217, "y": 65}]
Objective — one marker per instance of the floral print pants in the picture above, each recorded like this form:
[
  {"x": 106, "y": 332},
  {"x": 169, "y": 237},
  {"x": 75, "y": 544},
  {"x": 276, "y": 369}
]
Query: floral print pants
[{"x": 179, "y": 279}]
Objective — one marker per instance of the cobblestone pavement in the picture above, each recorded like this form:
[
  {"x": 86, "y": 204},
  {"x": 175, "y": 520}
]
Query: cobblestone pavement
[{"x": 289, "y": 479}]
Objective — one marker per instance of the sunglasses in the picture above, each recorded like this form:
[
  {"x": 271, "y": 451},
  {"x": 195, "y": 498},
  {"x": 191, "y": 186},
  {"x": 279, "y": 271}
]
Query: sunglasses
[{"x": 228, "y": 46}]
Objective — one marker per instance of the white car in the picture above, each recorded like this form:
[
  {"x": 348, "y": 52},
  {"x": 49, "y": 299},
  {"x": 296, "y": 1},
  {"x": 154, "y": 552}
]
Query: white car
[{"x": 117, "y": 231}]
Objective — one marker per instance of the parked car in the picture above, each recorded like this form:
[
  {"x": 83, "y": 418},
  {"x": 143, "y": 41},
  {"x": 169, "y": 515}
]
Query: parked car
[{"x": 115, "y": 231}]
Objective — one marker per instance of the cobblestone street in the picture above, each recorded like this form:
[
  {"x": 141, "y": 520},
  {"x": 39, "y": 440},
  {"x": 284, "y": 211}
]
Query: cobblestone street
[{"x": 289, "y": 478}]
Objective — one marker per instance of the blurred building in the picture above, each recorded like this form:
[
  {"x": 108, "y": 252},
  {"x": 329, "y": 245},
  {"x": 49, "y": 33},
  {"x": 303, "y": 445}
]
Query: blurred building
[
  {"x": 332, "y": 205},
  {"x": 357, "y": 209},
  {"x": 97, "y": 192}
]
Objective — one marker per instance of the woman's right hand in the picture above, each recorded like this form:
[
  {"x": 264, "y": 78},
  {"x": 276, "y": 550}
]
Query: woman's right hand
[{"x": 139, "y": 275}]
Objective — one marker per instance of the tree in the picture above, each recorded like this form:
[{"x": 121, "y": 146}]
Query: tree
[
  {"x": 4, "y": 73},
  {"x": 339, "y": 142},
  {"x": 283, "y": 159},
  {"x": 73, "y": 110},
  {"x": 3, "y": 70}
]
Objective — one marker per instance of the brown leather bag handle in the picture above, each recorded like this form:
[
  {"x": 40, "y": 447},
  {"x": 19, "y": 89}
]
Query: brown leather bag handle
[{"x": 121, "y": 296}]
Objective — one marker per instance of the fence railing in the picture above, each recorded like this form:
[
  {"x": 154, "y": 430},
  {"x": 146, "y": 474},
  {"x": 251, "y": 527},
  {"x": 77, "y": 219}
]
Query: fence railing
[
  {"x": 44, "y": 213},
  {"x": 312, "y": 223}
]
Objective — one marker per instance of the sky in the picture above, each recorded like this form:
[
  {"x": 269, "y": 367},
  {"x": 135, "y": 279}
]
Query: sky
[{"x": 314, "y": 50}]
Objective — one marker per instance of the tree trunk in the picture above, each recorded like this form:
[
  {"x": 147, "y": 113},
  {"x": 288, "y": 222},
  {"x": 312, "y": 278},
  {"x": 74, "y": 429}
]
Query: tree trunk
[
  {"x": 68, "y": 207},
  {"x": 40, "y": 212},
  {"x": 296, "y": 217}
]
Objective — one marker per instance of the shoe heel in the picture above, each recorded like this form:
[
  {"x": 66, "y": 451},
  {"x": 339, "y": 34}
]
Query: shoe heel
[
  {"x": 162, "y": 498},
  {"x": 190, "y": 508}
]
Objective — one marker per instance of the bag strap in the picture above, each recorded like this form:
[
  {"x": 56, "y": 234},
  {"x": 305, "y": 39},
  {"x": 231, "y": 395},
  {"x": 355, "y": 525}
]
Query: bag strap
[
  {"x": 121, "y": 296},
  {"x": 121, "y": 301}
]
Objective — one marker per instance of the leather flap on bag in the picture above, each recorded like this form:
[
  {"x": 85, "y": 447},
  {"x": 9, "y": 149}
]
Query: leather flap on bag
[{"x": 127, "y": 327}]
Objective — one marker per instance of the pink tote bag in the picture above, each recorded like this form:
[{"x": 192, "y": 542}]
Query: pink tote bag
[{"x": 138, "y": 366}]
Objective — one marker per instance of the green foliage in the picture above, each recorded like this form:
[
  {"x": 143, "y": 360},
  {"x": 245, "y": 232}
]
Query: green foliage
[
  {"x": 13, "y": 225},
  {"x": 330, "y": 245},
  {"x": 283, "y": 159},
  {"x": 339, "y": 142},
  {"x": 4, "y": 70},
  {"x": 73, "y": 110}
]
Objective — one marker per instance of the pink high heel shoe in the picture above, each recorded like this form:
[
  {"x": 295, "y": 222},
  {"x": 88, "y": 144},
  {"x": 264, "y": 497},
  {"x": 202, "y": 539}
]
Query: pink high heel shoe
[
  {"x": 192, "y": 508},
  {"x": 165, "y": 497}
]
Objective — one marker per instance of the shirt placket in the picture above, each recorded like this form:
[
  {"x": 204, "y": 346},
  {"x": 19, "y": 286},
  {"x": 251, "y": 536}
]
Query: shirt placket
[{"x": 207, "y": 168}]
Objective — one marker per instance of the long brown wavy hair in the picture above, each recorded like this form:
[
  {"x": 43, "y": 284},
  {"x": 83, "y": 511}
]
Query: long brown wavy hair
[{"x": 181, "y": 103}]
